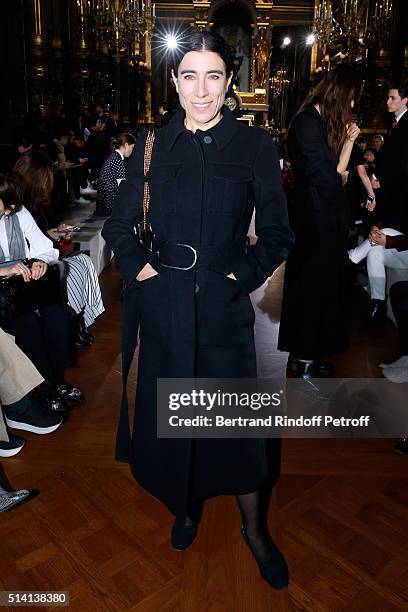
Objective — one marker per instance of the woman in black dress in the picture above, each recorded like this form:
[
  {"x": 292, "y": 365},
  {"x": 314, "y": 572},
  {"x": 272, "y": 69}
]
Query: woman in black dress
[
  {"x": 207, "y": 173},
  {"x": 321, "y": 136}
]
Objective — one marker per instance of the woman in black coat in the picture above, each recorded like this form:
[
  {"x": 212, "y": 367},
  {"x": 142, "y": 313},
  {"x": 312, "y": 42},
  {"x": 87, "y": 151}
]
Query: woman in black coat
[
  {"x": 192, "y": 291},
  {"x": 320, "y": 141}
]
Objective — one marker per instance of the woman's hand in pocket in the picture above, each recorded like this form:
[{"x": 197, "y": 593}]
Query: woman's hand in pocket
[
  {"x": 232, "y": 275},
  {"x": 147, "y": 272}
]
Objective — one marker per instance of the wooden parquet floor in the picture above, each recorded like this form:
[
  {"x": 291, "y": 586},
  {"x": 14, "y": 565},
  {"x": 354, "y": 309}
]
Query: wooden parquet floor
[{"x": 339, "y": 511}]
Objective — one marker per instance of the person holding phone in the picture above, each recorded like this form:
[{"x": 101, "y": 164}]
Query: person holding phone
[{"x": 84, "y": 295}]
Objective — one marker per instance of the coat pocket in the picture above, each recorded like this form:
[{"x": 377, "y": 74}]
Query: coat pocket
[
  {"x": 229, "y": 316},
  {"x": 155, "y": 308},
  {"x": 229, "y": 188},
  {"x": 162, "y": 180}
]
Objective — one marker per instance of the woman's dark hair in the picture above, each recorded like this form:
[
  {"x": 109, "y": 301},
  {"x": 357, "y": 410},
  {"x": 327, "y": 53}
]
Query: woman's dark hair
[
  {"x": 10, "y": 192},
  {"x": 206, "y": 41},
  {"x": 334, "y": 94},
  {"x": 61, "y": 132},
  {"x": 34, "y": 169},
  {"x": 122, "y": 139}
]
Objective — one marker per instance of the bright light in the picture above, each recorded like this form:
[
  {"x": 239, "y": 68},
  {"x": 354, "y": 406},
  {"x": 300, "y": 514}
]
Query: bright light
[
  {"x": 171, "y": 41},
  {"x": 311, "y": 39},
  {"x": 286, "y": 41}
]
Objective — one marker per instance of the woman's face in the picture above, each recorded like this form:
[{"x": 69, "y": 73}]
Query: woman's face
[
  {"x": 128, "y": 149},
  {"x": 5, "y": 211},
  {"x": 201, "y": 84}
]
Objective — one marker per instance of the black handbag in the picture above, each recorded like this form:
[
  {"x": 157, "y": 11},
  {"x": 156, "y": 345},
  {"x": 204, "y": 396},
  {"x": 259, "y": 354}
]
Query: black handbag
[
  {"x": 18, "y": 297},
  {"x": 143, "y": 228}
]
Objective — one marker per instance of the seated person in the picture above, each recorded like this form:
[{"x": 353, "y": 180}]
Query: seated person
[
  {"x": 56, "y": 152},
  {"x": 56, "y": 149},
  {"x": 79, "y": 176},
  {"x": 384, "y": 248},
  {"x": 369, "y": 161},
  {"x": 44, "y": 335},
  {"x": 18, "y": 378},
  {"x": 377, "y": 142},
  {"x": 84, "y": 294},
  {"x": 362, "y": 143}
]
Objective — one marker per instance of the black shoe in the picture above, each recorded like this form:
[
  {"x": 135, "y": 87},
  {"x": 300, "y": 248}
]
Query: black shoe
[
  {"x": 10, "y": 499},
  {"x": 29, "y": 415},
  {"x": 82, "y": 338},
  {"x": 70, "y": 394},
  {"x": 82, "y": 344},
  {"x": 275, "y": 570},
  {"x": 310, "y": 386},
  {"x": 378, "y": 311},
  {"x": 56, "y": 404},
  {"x": 321, "y": 369},
  {"x": 402, "y": 447},
  {"x": 12, "y": 447},
  {"x": 183, "y": 535},
  {"x": 89, "y": 335},
  {"x": 83, "y": 330}
]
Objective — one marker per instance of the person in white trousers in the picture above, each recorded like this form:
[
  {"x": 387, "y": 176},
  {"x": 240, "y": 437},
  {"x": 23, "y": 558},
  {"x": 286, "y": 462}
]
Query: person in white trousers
[{"x": 381, "y": 251}]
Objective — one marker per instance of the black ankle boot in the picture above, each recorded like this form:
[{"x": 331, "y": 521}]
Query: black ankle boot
[
  {"x": 378, "y": 311},
  {"x": 183, "y": 535},
  {"x": 81, "y": 339},
  {"x": 274, "y": 570},
  {"x": 85, "y": 333}
]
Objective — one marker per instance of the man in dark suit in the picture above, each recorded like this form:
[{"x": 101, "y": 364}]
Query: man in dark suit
[
  {"x": 392, "y": 163},
  {"x": 391, "y": 176}
]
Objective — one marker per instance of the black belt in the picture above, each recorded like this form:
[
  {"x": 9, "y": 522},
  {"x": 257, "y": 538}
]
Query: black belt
[{"x": 180, "y": 256}]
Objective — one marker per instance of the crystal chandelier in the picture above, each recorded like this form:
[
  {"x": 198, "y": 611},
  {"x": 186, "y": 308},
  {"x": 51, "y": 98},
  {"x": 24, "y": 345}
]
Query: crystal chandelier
[
  {"x": 352, "y": 26},
  {"x": 119, "y": 23}
]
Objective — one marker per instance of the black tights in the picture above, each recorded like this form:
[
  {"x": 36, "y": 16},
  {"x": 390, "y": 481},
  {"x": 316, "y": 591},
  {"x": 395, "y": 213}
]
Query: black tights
[{"x": 254, "y": 510}]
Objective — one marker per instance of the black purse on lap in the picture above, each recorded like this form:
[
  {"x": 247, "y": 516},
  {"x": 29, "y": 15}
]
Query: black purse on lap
[{"x": 18, "y": 297}]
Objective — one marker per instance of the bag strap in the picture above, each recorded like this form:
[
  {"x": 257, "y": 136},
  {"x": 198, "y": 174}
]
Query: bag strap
[
  {"x": 146, "y": 165},
  {"x": 130, "y": 327}
]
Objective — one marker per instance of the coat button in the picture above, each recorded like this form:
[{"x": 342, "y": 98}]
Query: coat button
[
  {"x": 207, "y": 139},
  {"x": 196, "y": 288}
]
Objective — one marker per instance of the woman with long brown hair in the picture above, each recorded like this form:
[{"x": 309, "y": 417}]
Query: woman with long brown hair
[
  {"x": 34, "y": 169},
  {"x": 320, "y": 141}
]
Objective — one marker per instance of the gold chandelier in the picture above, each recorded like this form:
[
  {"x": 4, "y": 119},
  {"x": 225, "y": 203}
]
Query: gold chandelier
[
  {"x": 116, "y": 23},
  {"x": 119, "y": 23},
  {"x": 352, "y": 26}
]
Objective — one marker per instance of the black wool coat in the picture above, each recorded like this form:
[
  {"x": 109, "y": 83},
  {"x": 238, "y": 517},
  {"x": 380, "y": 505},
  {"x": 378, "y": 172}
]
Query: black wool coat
[
  {"x": 198, "y": 322},
  {"x": 314, "y": 321}
]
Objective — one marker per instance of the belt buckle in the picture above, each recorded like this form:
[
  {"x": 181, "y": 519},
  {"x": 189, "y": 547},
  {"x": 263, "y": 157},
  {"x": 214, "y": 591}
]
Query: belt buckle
[{"x": 187, "y": 246}]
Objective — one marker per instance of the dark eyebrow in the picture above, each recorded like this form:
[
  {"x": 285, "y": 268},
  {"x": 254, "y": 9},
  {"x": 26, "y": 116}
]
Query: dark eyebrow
[{"x": 208, "y": 72}]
